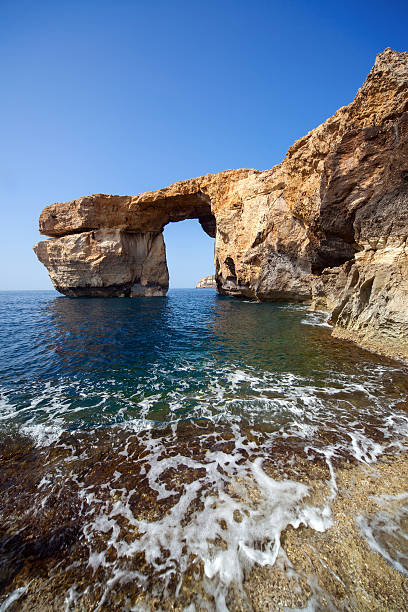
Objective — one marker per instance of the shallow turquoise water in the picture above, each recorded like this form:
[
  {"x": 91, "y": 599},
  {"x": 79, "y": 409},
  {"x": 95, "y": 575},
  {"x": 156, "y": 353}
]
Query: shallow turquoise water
[
  {"x": 81, "y": 363},
  {"x": 181, "y": 401}
]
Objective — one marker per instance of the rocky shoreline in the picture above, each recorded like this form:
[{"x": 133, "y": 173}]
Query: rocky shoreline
[{"x": 357, "y": 561}]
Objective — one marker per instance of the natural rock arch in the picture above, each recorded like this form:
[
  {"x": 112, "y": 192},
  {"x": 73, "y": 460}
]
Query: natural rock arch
[
  {"x": 332, "y": 217},
  {"x": 111, "y": 246},
  {"x": 105, "y": 245}
]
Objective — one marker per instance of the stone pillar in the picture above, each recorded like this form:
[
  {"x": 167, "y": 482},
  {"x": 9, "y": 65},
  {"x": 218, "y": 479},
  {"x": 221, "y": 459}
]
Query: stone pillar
[{"x": 106, "y": 263}]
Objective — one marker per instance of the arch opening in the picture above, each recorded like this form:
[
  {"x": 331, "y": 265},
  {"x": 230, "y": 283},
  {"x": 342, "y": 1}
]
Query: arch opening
[
  {"x": 114, "y": 245},
  {"x": 189, "y": 252}
]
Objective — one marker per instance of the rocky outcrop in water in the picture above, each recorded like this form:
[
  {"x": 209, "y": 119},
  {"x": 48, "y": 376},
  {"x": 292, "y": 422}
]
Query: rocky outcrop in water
[
  {"x": 106, "y": 262},
  {"x": 329, "y": 223},
  {"x": 208, "y": 282}
]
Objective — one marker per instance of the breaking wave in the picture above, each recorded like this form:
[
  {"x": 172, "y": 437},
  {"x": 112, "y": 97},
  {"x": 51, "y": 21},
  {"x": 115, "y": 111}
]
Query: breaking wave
[{"x": 172, "y": 448}]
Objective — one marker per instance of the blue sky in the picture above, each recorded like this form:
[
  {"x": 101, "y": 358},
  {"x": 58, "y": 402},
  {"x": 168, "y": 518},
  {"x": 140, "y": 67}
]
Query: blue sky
[{"x": 127, "y": 96}]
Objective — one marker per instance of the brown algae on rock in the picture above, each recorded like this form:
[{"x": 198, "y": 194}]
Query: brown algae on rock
[{"x": 80, "y": 541}]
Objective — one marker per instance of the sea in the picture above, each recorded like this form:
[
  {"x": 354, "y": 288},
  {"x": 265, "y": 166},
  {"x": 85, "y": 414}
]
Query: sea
[{"x": 154, "y": 451}]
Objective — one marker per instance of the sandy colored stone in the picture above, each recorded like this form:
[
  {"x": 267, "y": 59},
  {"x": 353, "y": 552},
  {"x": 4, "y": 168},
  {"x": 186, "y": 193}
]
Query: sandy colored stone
[
  {"x": 208, "y": 282},
  {"x": 339, "y": 198},
  {"x": 106, "y": 262},
  {"x": 367, "y": 298}
]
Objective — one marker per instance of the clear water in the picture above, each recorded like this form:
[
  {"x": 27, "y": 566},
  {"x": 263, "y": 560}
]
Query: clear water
[
  {"x": 187, "y": 398},
  {"x": 84, "y": 363}
]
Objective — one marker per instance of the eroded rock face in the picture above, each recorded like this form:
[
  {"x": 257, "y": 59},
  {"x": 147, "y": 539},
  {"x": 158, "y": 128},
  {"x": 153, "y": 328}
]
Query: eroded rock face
[
  {"x": 368, "y": 298},
  {"x": 146, "y": 212},
  {"x": 106, "y": 263},
  {"x": 208, "y": 282},
  {"x": 331, "y": 219}
]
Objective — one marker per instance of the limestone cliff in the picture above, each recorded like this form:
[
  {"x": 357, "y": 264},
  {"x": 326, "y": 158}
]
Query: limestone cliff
[
  {"x": 208, "y": 282},
  {"x": 328, "y": 223}
]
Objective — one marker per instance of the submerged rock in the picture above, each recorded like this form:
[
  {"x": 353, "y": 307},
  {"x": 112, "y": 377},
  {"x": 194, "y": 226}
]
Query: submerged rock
[
  {"x": 203, "y": 516},
  {"x": 329, "y": 223},
  {"x": 208, "y": 282}
]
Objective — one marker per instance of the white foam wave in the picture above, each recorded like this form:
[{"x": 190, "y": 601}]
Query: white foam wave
[
  {"x": 384, "y": 531},
  {"x": 44, "y": 435},
  {"x": 317, "y": 318},
  {"x": 13, "y": 597},
  {"x": 291, "y": 403},
  {"x": 236, "y": 524}
]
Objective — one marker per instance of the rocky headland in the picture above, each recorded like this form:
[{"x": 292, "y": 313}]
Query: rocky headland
[
  {"x": 208, "y": 282},
  {"x": 328, "y": 225}
]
